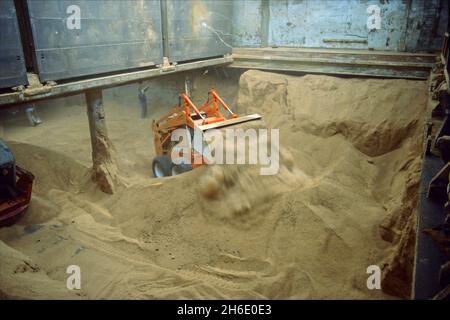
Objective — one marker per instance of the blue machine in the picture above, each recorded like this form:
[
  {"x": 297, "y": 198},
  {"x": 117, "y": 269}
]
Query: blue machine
[{"x": 7, "y": 171}]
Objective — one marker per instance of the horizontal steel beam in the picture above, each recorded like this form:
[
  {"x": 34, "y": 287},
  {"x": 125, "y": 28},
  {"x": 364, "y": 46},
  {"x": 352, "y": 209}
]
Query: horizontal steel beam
[
  {"x": 336, "y": 61},
  {"x": 52, "y": 91}
]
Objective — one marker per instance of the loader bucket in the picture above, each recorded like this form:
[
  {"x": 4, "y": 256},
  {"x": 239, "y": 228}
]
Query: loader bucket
[{"x": 230, "y": 122}]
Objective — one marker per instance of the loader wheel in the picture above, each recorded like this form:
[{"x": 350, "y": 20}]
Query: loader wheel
[
  {"x": 162, "y": 166},
  {"x": 180, "y": 168}
]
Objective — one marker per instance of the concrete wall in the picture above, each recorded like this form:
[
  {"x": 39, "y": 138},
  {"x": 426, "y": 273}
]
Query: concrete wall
[{"x": 406, "y": 25}]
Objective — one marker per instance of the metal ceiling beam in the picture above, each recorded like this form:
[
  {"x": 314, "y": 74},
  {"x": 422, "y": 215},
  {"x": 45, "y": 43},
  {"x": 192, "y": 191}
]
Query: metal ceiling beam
[
  {"x": 336, "y": 61},
  {"x": 41, "y": 92}
]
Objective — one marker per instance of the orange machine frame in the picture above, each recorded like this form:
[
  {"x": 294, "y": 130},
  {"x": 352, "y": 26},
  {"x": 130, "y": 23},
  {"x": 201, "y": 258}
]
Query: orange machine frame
[{"x": 186, "y": 114}]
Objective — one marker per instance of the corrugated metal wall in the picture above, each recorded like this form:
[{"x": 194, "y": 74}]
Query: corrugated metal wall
[
  {"x": 119, "y": 35},
  {"x": 112, "y": 36},
  {"x": 405, "y": 25},
  {"x": 125, "y": 34},
  {"x": 12, "y": 63}
]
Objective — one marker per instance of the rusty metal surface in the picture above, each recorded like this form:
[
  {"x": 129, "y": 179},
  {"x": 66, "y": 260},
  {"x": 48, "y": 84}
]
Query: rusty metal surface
[
  {"x": 113, "y": 36},
  {"x": 12, "y": 64},
  {"x": 198, "y": 29}
]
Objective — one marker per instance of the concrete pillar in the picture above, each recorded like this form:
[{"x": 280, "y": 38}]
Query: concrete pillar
[{"x": 104, "y": 170}]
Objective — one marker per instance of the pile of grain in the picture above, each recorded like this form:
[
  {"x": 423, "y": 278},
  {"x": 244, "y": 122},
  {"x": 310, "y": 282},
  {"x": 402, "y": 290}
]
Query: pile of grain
[{"x": 350, "y": 160}]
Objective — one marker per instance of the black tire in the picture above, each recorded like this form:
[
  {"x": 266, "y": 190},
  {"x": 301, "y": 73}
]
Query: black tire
[
  {"x": 162, "y": 166},
  {"x": 180, "y": 168}
]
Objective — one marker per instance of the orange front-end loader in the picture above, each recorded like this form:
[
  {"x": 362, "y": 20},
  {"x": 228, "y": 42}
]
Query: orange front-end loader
[{"x": 185, "y": 115}]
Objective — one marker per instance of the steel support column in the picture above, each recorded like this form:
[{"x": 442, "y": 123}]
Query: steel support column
[{"x": 104, "y": 170}]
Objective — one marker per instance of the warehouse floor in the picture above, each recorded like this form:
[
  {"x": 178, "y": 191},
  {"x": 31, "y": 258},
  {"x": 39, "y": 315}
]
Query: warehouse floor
[{"x": 347, "y": 184}]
